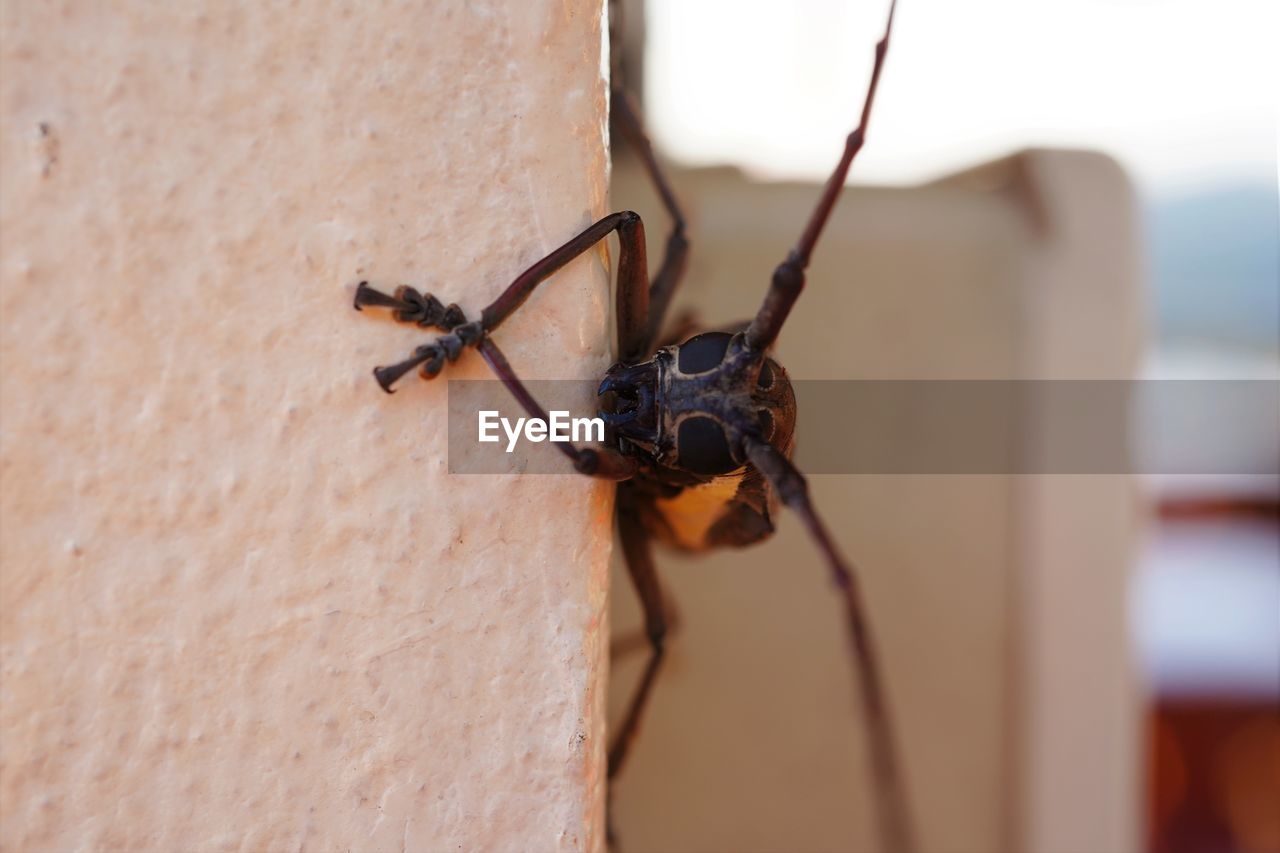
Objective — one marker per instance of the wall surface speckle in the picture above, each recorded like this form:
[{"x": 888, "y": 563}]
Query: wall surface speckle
[{"x": 244, "y": 604}]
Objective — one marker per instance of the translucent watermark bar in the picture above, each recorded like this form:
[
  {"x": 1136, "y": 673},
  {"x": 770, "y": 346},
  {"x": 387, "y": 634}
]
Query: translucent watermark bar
[{"x": 1003, "y": 427}]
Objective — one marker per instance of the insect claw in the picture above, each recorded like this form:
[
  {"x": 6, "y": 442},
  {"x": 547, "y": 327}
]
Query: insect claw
[
  {"x": 384, "y": 382},
  {"x": 389, "y": 375},
  {"x": 366, "y": 295}
]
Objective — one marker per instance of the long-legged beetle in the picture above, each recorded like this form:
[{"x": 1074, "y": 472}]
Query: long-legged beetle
[{"x": 701, "y": 430}]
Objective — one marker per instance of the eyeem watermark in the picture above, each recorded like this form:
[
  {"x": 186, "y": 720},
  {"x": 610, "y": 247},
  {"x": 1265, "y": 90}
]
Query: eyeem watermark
[
  {"x": 1163, "y": 427},
  {"x": 560, "y": 428}
]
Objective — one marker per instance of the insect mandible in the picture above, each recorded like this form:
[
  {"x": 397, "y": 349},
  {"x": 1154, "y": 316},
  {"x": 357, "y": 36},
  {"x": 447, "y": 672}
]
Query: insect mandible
[{"x": 713, "y": 415}]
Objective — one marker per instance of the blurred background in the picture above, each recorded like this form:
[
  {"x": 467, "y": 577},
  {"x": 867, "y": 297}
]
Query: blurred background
[{"x": 1050, "y": 190}]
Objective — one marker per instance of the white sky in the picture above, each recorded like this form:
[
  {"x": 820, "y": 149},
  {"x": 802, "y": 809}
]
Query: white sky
[{"x": 1182, "y": 93}]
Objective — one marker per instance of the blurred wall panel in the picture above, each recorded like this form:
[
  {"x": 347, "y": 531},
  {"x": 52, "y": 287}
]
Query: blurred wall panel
[{"x": 998, "y": 601}]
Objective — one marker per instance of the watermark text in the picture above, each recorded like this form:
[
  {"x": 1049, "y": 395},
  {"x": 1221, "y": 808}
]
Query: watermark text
[{"x": 561, "y": 427}]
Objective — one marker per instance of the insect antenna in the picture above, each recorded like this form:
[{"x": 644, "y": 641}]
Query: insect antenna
[{"x": 788, "y": 278}]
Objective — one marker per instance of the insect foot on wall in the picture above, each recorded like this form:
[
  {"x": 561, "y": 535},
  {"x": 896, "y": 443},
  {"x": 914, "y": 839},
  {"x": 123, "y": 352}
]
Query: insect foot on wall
[{"x": 712, "y": 416}]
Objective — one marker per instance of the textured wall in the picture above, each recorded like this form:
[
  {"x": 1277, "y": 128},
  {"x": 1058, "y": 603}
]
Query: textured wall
[{"x": 245, "y": 606}]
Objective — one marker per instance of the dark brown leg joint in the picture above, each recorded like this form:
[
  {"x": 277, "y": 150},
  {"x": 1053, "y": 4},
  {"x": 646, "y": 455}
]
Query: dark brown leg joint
[
  {"x": 784, "y": 290},
  {"x": 607, "y": 464}
]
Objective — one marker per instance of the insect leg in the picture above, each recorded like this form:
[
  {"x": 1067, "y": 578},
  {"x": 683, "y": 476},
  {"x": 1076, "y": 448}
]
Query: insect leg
[
  {"x": 637, "y": 641},
  {"x": 674, "y": 256},
  {"x": 410, "y": 306},
  {"x": 788, "y": 278},
  {"x": 605, "y": 463},
  {"x": 632, "y": 305},
  {"x": 891, "y": 803},
  {"x": 638, "y": 553},
  {"x": 632, "y": 300}
]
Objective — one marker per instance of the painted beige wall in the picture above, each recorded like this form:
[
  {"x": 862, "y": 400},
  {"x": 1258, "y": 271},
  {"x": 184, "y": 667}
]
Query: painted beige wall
[{"x": 245, "y": 606}]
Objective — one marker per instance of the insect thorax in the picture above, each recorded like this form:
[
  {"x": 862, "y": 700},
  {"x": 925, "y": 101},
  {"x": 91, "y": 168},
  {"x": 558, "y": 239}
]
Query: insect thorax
[{"x": 685, "y": 413}]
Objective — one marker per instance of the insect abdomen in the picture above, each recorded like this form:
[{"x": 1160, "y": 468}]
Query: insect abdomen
[{"x": 732, "y": 510}]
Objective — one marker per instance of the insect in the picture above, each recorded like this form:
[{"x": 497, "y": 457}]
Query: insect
[{"x": 700, "y": 430}]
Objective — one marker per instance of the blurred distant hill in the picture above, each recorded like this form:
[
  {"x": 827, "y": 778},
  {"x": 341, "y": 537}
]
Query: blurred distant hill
[{"x": 1214, "y": 263}]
